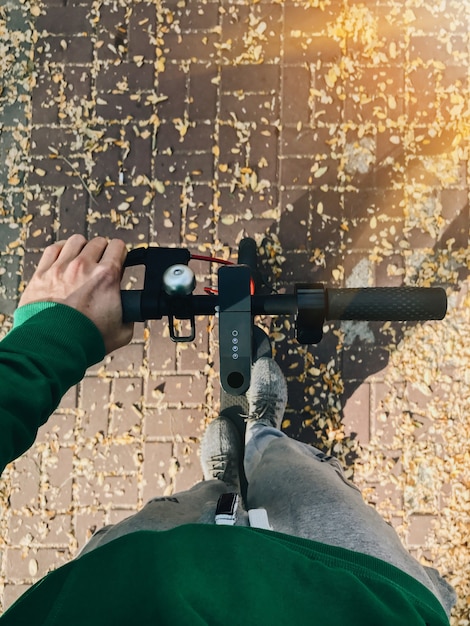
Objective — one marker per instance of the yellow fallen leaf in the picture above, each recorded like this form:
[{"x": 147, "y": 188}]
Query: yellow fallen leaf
[
  {"x": 320, "y": 171},
  {"x": 159, "y": 186},
  {"x": 228, "y": 220}
]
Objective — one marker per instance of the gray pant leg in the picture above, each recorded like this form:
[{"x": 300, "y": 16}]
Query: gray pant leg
[
  {"x": 307, "y": 495},
  {"x": 195, "y": 506}
]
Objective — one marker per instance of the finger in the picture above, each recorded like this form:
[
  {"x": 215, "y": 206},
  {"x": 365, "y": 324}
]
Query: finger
[
  {"x": 95, "y": 249},
  {"x": 72, "y": 248},
  {"x": 49, "y": 256},
  {"x": 115, "y": 253}
]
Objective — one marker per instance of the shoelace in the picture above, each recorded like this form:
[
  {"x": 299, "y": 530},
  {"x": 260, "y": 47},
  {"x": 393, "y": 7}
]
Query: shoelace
[
  {"x": 264, "y": 406},
  {"x": 219, "y": 463},
  {"x": 221, "y": 467}
]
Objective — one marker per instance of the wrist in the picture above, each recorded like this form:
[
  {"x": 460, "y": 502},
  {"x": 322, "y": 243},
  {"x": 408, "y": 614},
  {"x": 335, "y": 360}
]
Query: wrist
[
  {"x": 25, "y": 312},
  {"x": 65, "y": 318}
]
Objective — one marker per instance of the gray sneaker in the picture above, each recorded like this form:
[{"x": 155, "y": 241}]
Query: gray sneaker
[
  {"x": 221, "y": 449},
  {"x": 267, "y": 395}
]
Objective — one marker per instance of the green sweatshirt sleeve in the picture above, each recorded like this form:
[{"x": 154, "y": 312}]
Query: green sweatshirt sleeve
[{"x": 48, "y": 351}]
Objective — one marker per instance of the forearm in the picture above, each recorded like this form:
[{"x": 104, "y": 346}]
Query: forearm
[{"x": 40, "y": 359}]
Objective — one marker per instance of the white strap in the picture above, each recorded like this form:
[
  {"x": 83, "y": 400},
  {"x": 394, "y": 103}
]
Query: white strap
[{"x": 259, "y": 519}]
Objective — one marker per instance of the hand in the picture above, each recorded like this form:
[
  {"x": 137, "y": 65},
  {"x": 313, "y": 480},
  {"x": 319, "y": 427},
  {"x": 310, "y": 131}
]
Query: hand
[{"x": 85, "y": 275}]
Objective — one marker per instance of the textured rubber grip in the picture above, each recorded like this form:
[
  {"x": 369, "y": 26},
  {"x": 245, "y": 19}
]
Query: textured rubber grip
[
  {"x": 131, "y": 306},
  {"x": 387, "y": 303}
]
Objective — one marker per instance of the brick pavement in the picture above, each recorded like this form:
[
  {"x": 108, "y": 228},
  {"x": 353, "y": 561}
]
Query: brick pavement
[{"x": 337, "y": 130}]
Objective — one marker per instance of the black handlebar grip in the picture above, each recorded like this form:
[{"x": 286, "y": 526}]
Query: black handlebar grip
[
  {"x": 247, "y": 253},
  {"x": 387, "y": 303},
  {"x": 131, "y": 306}
]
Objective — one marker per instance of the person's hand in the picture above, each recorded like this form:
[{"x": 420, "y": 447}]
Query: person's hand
[{"x": 85, "y": 275}]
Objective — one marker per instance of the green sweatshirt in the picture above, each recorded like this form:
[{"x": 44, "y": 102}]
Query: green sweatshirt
[{"x": 193, "y": 574}]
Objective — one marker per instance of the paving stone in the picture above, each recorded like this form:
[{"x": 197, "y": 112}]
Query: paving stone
[
  {"x": 194, "y": 46},
  {"x": 188, "y": 389},
  {"x": 118, "y": 515},
  {"x": 122, "y": 228},
  {"x": 40, "y": 561},
  {"x": 125, "y": 420},
  {"x": 12, "y": 592},
  {"x": 246, "y": 49},
  {"x": 141, "y": 31},
  {"x": 123, "y": 77},
  {"x": 87, "y": 522},
  {"x": 64, "y": 20},
  {"x": 189, "y": 466},
  {"x": 112, "y": 491},
  {"x": 120, "y": 106},
  {"x": 156, "y": 470},
  {"x": 251, "y": 78},
  {"x": 161, "y": 350},
  {"x": 11, "y": 205},
  {"x": 198, "y": 136},
  {"x": 178, "y": 167},
  {"x": 294, "y": 219},
  {"x": 240, "y": 228},
  {"x": 9, "y": 282},
  {"x": 387, "y": 498},
  {"x": 202, "y": 93},
  {"x": 172, "y": 84},
  {"x": 70, "y": 399},
  {"x": 245, "y": 203},
  {"x": 113, "y": 458},
  {"x": 303, "y": 172},
  {"x": 173, "y": 422},
  {"x": 301, "y": 48},
  {"x": 197, "y": 16},
  {"x": 73, "y": 207},
  {"x": 28, "y": 469},
  {"x": 356, "y": 411},
  {"x": 112, "y": 33},
  {"x": 262, "y": 109},
  {"x": 302, "y": 19},
  {"x": 127, "y": 359},
  {"x": 65, "y": 49},
  {"x": 94, "y": 400}
]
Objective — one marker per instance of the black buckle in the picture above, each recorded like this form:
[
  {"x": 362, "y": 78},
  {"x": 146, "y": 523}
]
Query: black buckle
[
  {"x": 182, "y": 338},
  {"x": 226, "y": 511}
]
